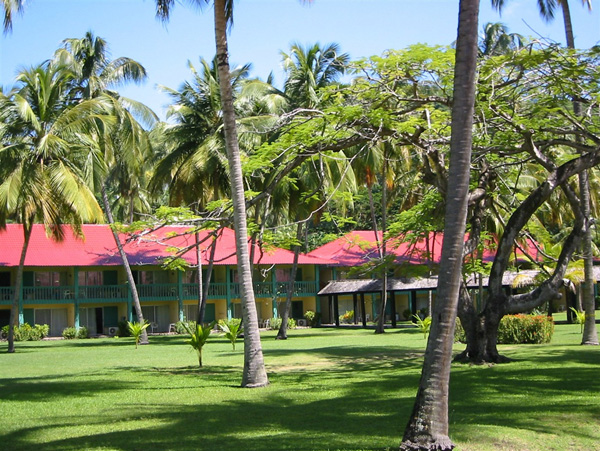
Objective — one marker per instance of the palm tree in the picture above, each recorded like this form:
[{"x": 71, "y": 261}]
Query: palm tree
[
  {"x": 496, "y": 40},
  {"x": 44, "y": 143},
  {"x": 590, "y": 335},
  {"x": 428, "y": 425},
  {"x": 194, "y": 162},
  {"x": 11, "y": 7},
  {"x": 125, "y": 146},
  {"x": 254, "y": 374},
  {"x": 309, "y": 70}
]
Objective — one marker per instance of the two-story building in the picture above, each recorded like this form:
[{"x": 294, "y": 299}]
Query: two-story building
[{"x": 80, "y": 281}]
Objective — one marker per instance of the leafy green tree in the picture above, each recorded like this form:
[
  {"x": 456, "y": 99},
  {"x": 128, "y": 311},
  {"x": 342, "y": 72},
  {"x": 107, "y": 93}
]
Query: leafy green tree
[
  {"x": 590, "y": 336},
  {"x": 137, "y": 330},
  {"x": 198, "y": 337},
  {"x": 496, "y": 40}
]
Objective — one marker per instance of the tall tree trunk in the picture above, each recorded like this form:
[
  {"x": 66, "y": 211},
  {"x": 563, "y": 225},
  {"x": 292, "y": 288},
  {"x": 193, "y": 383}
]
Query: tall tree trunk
[
  {"x": 254, "y": 374},
  {"x": 427, "y": 428},
  {"x": 201, "y": 298},
  {"x": 132, "y": 286},
  {"x": 282, "y": 333},
  {"x": 16, "y": 298},
  {"x": 590, "y": 335}
]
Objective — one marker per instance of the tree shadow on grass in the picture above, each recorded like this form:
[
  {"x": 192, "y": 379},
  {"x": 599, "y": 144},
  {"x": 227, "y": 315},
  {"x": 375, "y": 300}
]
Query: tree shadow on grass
[{"x": 351, "y": 419}]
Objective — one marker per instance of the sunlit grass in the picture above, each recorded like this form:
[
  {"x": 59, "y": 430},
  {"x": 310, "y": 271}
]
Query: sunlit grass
[{"x": 330, "y": 389}]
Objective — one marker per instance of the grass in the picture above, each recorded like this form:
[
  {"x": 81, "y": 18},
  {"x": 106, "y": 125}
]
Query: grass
[{"x": 330, "y": 390}]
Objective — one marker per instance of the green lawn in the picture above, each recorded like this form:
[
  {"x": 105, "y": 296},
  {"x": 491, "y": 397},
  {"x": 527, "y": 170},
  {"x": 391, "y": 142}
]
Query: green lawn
[{"x": 330, "y": 389}]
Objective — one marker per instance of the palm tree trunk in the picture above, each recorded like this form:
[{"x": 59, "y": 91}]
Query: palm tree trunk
[
  {"x": 201, "y": 298},
  {"x": 590, "y": 335},
  {"x": 254, "y": 374},
  {"x": 14, "y": 310},
  {"x": 282, "y": 333},
  {"x": 428, "y": 425},
  {"x": 134, "y": 293}
]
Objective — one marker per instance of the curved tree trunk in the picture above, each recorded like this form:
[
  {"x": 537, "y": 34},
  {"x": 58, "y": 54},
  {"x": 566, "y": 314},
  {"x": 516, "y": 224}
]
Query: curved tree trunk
[
  {"x": 427, "y": 428},
  {"x": 132, "y": 286},
  {"x": 16, "y": 298},
  {"x": 255, "y": 374}
]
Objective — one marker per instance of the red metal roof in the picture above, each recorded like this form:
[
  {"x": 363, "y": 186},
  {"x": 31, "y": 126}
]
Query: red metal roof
[
  {"x": 358, "y": 247},
  {"x": 97, "y": 248}
]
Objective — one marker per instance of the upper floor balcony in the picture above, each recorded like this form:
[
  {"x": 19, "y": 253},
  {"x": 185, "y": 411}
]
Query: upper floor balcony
[{"x": 68, "y": 294}]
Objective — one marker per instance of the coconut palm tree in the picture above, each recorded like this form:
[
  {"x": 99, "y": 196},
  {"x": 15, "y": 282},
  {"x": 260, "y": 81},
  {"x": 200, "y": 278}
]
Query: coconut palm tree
[
  {"x": 309, "y": 70},
  {"x": 10, "y": 8},
  {"x": 126, "y": 145},
  {"x": 428, "y": 425},
  {"x": 496, "y": 40},
  {"x": 590, "y": 335},
  {"x": 44, "y": 142},
  {"x": 254, "y": 374}
]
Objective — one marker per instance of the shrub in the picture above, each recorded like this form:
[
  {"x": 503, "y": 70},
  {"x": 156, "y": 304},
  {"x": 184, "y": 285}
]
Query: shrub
[
  {"x": 233, "y": 322},
  {"x": 312, "y": 318},
  {"x": 275, "y": 323},
  {"x": 69, "y": 333},
  {"x": 459, "y": 332},
  {"x": 182, "y": 327},
  {"x": 347, "y": 317},
  {"x": 406, "y": 313},
  {"x": 25, "y": 332},
  {"x": 83, "y": 332},
  {"x": 123, "y": 329},
  {"x": 517, "y": 329}
]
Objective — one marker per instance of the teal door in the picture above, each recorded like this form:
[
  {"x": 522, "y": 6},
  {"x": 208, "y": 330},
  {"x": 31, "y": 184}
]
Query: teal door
[{"x": 209, "y": 313}]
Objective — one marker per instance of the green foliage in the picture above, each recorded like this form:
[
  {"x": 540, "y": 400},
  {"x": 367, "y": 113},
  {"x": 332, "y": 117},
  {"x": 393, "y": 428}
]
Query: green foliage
[
  {"x": 198, "y": 337},
  {"x": 69, "y": 333},
  {"x": 136, "y": 330},
  {"x": 275, "y": 323},
  {"x": 579, "y": 317},
  {"x": 517, "y": 329},
  {"x": 347, "y": 317},
  {"x": 25, "y": 332},
  {"x": 232, "y": 329},
  {"x": 83, "y": 332},
  {"x": 424, "y": 325},
  {"x": 123, "y": 329},
  {"x": 182, "y": 327},
  {"x": 312, "y": 318},
  {"x": 406, "y": 314}
]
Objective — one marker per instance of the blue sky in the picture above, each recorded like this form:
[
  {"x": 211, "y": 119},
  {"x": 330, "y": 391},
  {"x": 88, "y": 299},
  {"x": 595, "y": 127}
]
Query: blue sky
[{"x": 262, "y": 28}]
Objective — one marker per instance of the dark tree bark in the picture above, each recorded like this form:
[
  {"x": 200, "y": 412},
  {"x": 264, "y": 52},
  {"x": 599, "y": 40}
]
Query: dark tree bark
[{"x": 427, "y": 428}]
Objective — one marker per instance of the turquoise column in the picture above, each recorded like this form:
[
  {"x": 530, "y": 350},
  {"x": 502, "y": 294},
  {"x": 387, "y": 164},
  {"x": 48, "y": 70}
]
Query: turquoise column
[
  {"x": 21, "y": 318},
  {"x": 180, "y": 294},
  {"x": 228, "y": 292},
  {"x": 129, "y": 303},
  {"x": 76, "y": 295},
  {"x": 274, "y": 293},
  {"x": 318, "y": 282}
]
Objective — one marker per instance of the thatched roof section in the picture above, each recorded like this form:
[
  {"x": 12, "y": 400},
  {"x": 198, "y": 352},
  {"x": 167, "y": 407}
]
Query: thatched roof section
[{"x": 349, "y": 286}]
